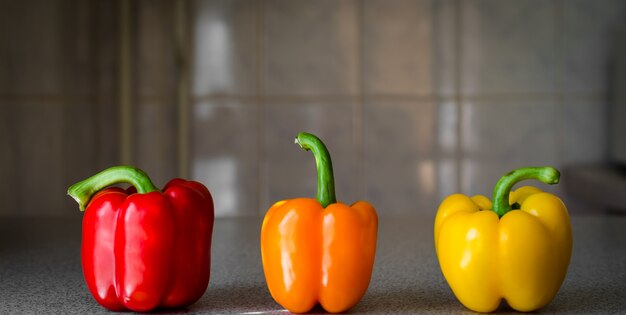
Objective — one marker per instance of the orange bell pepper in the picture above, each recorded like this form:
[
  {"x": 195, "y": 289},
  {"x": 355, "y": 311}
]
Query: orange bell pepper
[{"x": 318, "y": 251}]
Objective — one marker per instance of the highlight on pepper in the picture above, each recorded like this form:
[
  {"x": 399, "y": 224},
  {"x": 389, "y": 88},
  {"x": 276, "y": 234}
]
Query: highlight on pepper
[
  {"x": 143, "y": 248},
  {"x": 517, "y": 249},
  {"x": 318, "y": 250}
]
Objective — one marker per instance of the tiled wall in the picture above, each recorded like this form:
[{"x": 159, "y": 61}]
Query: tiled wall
[
  {"x": 415, "y": 99},
  {"x": 58, "y": 119}
]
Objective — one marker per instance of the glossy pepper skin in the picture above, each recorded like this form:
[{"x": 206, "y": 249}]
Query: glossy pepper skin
[
  {"x": 144, "y": 250},
  {"x": 520, "y": 251},
  {"x": 318, "y": 251}
]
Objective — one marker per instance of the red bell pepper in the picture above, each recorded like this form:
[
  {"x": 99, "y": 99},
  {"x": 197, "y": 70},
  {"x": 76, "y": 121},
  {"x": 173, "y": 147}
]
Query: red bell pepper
[{"x": 144, "y": 250}]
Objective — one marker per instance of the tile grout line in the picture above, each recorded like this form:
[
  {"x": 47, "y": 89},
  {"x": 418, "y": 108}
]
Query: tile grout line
[
  {"x": 97, "y": 70},
  {"x": 359, "y": 106},
  {"x": 559, "y": 77},
  {"x": 125, "y": 78},
  {"x": 262, "y": 183},
  {"x": 457, "y": 93},
  {"x": 15, "y": 145},
  {"x": 436, "y": 12},
  {"x": 160, "y": 158},
  {"x": 59, "y": 100},
  {"x": 183, "y": 61},
  {"x": 426, "y": 98}
]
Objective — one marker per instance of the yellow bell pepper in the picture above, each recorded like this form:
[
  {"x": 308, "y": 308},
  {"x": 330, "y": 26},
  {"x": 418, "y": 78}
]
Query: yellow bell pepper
[{"x": 519, "y": 252}]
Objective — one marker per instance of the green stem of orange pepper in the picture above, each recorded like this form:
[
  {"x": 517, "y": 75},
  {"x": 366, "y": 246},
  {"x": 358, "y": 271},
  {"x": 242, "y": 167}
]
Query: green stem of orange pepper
[
  {"x": 547, "y": 175},
  {"x": 84, "y": 190},
  {"x": 325, "y": 178}
]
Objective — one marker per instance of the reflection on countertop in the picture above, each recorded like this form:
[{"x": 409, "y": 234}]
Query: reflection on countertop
[{"x": 40, "y": 270}]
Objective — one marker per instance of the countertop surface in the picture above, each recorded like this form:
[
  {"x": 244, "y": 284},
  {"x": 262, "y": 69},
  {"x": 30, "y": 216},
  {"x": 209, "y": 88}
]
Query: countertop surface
[{"x": 40, "y": 270}]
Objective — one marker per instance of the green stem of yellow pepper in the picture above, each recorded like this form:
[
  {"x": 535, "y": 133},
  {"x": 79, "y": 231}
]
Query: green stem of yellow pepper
[
  {"x": 325, "y": 179},
  {"x": 547, "y": 175}
]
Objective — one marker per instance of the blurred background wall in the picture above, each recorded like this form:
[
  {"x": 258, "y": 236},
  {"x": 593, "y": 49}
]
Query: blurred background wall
[{"x": 415, "y": 99}]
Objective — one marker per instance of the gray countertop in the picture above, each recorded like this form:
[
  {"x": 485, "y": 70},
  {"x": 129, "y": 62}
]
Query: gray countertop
[{"x": 40, "y": 270}]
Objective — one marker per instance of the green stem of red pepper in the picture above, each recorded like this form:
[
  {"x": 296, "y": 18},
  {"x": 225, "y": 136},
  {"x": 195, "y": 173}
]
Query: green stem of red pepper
[
  {"x": 547, "y": 175},
  {"x": 325, "y": 178},
  {"x": 83, "y": 190}
]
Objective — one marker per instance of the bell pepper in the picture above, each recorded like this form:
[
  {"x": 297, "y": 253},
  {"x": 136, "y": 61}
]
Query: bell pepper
[
  {"x": 318, "y": 251},
  {"x": 146, "y": 249},
  {"x": 518, "y": 251}
]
